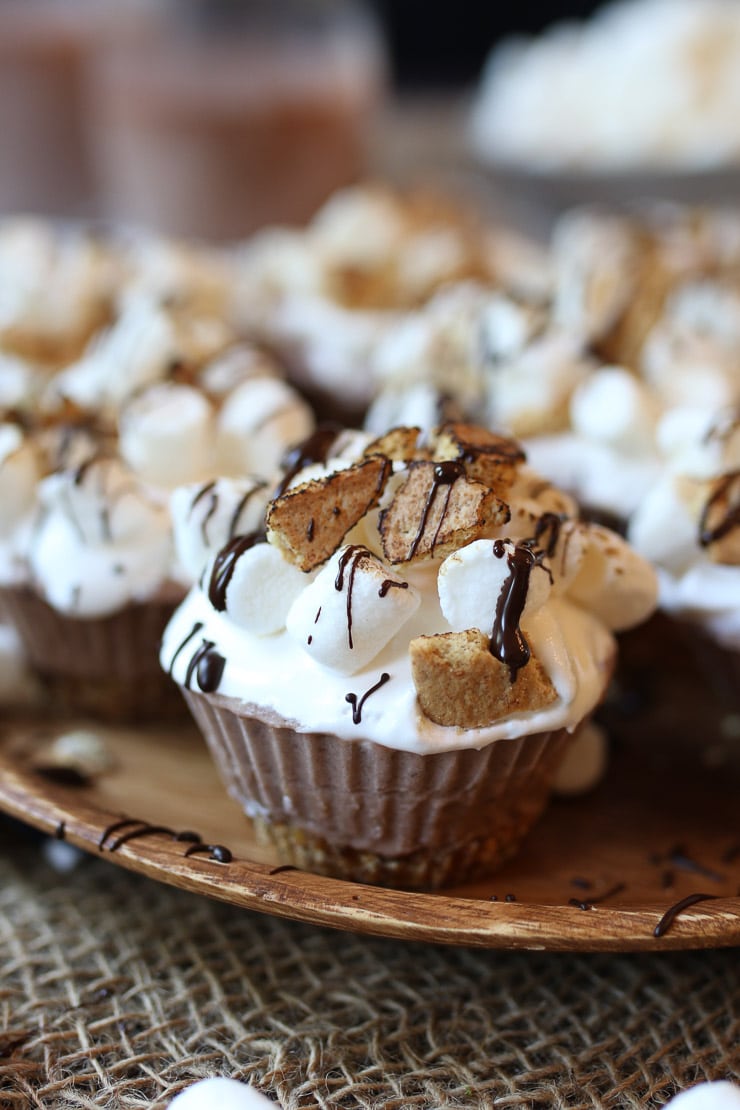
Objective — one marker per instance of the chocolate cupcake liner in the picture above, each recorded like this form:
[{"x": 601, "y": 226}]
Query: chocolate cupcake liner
[
  {"x": 357, "y": 810},
  {"x": 107, "y": 667}
]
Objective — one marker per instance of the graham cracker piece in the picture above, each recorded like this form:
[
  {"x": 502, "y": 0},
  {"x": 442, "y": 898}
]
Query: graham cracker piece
[
  {"x": 309, "y": 522},
  {"x": 489, "y": 458},
  {"x": 428, "y": 517},
  {"x": 461, "y": 684},
  {"x": 399, "y": 445},
  {"x": 719, "y": 528}
]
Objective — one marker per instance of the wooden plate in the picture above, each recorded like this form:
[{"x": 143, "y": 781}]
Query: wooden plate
[{"x": 663, "y": 825}]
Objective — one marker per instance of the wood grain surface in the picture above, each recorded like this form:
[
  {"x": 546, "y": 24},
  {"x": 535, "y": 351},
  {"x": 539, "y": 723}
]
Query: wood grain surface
[{"x": 663, "y": 825}]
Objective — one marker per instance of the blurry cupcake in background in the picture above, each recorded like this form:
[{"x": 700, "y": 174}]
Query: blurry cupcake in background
[
  {"x": 162, "y": 394},
  {"x": 389, "y": 666}
]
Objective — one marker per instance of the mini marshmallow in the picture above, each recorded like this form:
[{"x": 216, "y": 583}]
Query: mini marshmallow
[
  {"x": 471, "y": 580},
  {"x": 613, "y": 582},
  {"x": 19, "y": 473},
  {"x": 135, "y": 352},
  {"x": 166, "y": 435},
  {"x": 235, "y": 366},
  {"x": 584, "y": 762},
  {"x": 261, "y": 589},
  {"x": 529, "y": 393},
  {"x": 219, "y": 1093},
  {"x": 207, "y": 515},
  {"x": 359, "y": 227},
  {"x": 698, "y": 443},
  {"x": 507, "y": 327},
  {"x": 613, "y": 406},
  {"x": 664, "y": 529},
  {"x": 594, "y": 264},
  {"x": 103, "y": 501},
  {"x": 20, "y": 382},
  {"x": 258, "y": 421},
  {"x": 720, "y": 1095},
  {"x": 353, "y": 608}
]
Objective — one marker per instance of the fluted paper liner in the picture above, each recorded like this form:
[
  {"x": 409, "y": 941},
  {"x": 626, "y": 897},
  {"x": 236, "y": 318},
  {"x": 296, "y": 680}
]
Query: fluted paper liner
[
  {"x": 106, "y": 666},
  {"x": 357, "y": 810}
]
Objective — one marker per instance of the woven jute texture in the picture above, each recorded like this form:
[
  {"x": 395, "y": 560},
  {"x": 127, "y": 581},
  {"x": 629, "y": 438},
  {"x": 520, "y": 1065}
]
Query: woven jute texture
[{"x": 116, "y": 992}]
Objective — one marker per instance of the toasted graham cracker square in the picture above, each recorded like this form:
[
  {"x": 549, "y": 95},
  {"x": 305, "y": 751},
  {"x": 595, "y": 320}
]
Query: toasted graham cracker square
[
  {"x": 430, "y": 518},
  {"x": 309, "y": 522},
  {"x": 399, "y": 445},
  {"x": 460, "y": 683},
  {"x": 488, "y": 458}
]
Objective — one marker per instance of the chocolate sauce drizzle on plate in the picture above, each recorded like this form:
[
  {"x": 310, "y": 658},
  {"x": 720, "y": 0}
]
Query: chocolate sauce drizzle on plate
[
  {"x": 671, "y": 914},
  {"x": 589, "y": 903},
  {"x": 137, "y": 829},
  {"x": 357, "y": 705}
]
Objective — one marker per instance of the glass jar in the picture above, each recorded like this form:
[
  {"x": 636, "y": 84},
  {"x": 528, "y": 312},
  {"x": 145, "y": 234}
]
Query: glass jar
[{"x": 235, "y": 114}]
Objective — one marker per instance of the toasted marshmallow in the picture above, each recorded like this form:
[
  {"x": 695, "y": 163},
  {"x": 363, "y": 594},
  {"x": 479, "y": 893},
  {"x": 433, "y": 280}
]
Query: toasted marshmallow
[
  {"x": 19, "y": 473},
  {"x": 358, "y": 227},
  {"x": 258, "y": 421},
  {"x": 529, "y": 393},
  {"x": 594, "y": 259},
  {"x": 166, "y": 435},
  {"x": 613, "y": 406},
  {"x": 664, "y": 528},
  {"x": 233, "y": 367},
  {"x": 471, "y": 581},
  {"x": 700, "y": 444},
  {"x": 353, "y": 608},
  {"x": 208, "y": 515},
  {"x": 613, "y": 581},
  {"x": 261, "y": 586}
]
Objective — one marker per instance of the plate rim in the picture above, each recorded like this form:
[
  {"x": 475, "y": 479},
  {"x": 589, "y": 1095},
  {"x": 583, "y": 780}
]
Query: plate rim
[{"x": 336, "y": 903}]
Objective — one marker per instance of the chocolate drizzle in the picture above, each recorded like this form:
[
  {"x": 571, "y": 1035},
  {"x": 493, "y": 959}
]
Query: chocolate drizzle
[
  {"x": 357, "y": 705},
  {"x": 728, "y": 488},
  {"x": 589, "y": 903},
  {"x": 671, "y": 914},
  {"x": 138, "y": 829},
  {"x": 193, "y": 632},
  {"x": 550, "y": 525},
  {"x": 314, "y": 449},
  {"x": 508, "y": 643},
  {"x": 241, "y": 506},
  {"x": 352, "y": 556},
  {"x": 208, "y": 666},
  {"x": 224, "y": 566},
  {"x": 445, "y": 474},
  {"x": 391, "y": 584}
]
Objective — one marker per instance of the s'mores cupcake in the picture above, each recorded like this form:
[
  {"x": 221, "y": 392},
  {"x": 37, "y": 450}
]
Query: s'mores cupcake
[{"x": 389, "y": 667}]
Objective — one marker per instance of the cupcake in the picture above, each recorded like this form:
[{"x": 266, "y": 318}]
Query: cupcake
[
  {"x": 89, "y": 452},
  {"x": 688, "y": 525},
  {"x": 389, "y": 670}
]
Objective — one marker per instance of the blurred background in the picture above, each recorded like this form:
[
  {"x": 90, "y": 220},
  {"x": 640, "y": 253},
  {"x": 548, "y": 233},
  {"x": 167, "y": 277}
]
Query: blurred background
[{"x": 211, "y": 118}]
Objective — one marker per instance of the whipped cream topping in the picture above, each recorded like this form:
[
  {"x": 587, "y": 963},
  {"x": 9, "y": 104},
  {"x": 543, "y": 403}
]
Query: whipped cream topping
[
  {"x": 644, "y": 84},
  {"x": 54, "y": 286},
  {"x": 100, "y": 542},
  {"x": 340, "y": 625},
  {"x": 688, "y": 523}
]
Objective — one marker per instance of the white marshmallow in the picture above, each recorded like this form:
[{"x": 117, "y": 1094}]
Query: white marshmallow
[
  {"x": 584, "y": 763},
  {"x": 613, "y": 581},
  {"x": 20, "y": 382},
  {"x": 219, "y": 1093},
  {"x": 698, "y": 443},
  {"x": 234, "y": 366},
  {"x": 663, "y": 528},
  {"x": 507, "y": 327},
  {"x": 261, "y": 590},
  {"x": 257, "y": 423},
  {"x": 533, "y": 388},
  {"x": 358, "y": 227},
  {"x": 319, "y": 619},
  {"x": 594, "y": 264},
  {"x": 19, "y": 473},
  {"x": 613, "y": 406},
  {"x": 166, "y": 435},
  {"x": 207, "y": 515},
  {"x": 471, "y": 580},
  {"x": 720, "y": 1095}
]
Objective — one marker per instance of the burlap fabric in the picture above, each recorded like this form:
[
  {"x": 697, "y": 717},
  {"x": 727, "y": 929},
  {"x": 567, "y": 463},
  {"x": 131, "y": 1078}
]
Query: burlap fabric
[{"x": 117, "y": 992}]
